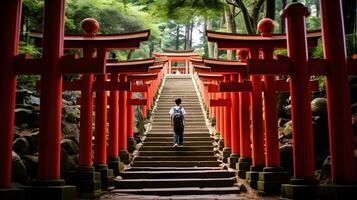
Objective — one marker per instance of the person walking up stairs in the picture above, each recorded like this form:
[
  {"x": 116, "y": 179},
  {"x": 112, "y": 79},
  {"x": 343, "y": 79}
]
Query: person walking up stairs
[{"x": 161, "y": 169}]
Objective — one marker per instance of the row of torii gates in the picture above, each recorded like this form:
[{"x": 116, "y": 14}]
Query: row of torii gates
[{"x": 233, "y": 90}]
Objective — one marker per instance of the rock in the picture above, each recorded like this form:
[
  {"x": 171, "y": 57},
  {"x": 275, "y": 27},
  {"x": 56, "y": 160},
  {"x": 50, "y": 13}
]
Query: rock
[
  {"x": 69, "y": 97},
  {"x": 325, "y": 176},
  {"x": 286, "y": 157},
  {"x": 31, "y": 164},
  {"x": 70, "y": 145},
  {"x": 22, "y": 116},
  {"x": 71, "y": 114},
  {"x": 282, "y": 121},
  {"x": 243, "y": 188},
  {"x": 319, "y": 107},
  {"x": 67, "y": 163},
  {"x": 288, "y": 130},
  {"x": 21, "y": 146},
  {"x": 321, "y": 139},
  {"x": 19, "y": 170},
  {"x": 22, "y": 95},
  {"x": 70, "y": 130},
  {"x": 31, "y": 117},
  {"x": 287, "y": 110},
  {"x": 34, "y": 139},
  {"x": 34, "y": 100}
]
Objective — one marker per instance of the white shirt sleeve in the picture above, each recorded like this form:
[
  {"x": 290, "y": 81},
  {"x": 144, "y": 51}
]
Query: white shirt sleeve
[
  {"x": 171, "y": 111},
  {"x": 183, "y": 111}
]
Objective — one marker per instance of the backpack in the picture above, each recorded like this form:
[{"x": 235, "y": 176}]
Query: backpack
[{"x": 177, "y": 118}]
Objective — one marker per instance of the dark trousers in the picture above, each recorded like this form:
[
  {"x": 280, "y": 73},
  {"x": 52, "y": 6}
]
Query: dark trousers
[{"x": 178, "y": 135}]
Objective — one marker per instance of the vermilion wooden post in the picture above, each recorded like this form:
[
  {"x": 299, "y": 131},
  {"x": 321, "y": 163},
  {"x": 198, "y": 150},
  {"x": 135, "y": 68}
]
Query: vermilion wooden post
[
  {"x": 113, "y": 148},
  {"x": 9, "y": 42},
  {"x": 86, "y": 114},
  {"x": 227, "y": 123},
  {"x": 300, "y": 93},
  {"x": 337, "y": 89},
  {"x": 51, "y": 92},
  {"x": 271, "y": 117},
  {"x": 235, "y": 126},
  {"x": 218, "y": 115},
  {"x": 258, "y": 160},
  {"x": 100, "y": 148},
  {"x": 123, "y": 153},
  {"x": 245, "y": 159},
  {"x": 222, "y": 119},
  {"x": 144, "y": 108},
  {"x": 130, "y": 123}
]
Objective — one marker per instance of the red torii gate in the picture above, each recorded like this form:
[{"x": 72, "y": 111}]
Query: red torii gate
[
  {"x": 266, "y": 43},
  {"x": 178, "y": 56},
  {"x": 101, "y": 85},
  {"x": 51, "y": 87},
  {"x": 303, "y": 153}
]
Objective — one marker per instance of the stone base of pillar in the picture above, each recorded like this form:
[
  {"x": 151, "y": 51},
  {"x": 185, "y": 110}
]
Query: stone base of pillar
[
  {"x": 336, "y": 192},
  {"x": 124, "y": 156},
  {"x": 221, "y": 144},
  {"x": 252, "y": 176},
  {"x": 87, "y": 182},
  {"x": 299, "y": 189},
  {"x": 271, "y": 179},
  {"x": 12, "y": 193},
  {"x": 50, "y": 189},
  {"x": 114, "y": 164},
  {"x": 131, "y": 145},
  {"x": 226, "y": 153},
  {"x": 106, "y": 175},
  {"x": 233, "y": 160},
  {"x": 243, "y": 166}
]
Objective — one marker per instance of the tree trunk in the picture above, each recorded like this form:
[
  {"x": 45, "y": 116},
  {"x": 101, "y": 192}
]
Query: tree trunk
[
  {"x": 210, "y": 44},
  {"x": 231, "y": 27},
  {"x": 349, "y": 15},
  {"x": 191, "y": 35},
  {"x": 178, "y": 37},
  {"x": 282, "y": 21},
  {"x": 151, "y": 49},
  {"x": 130, "y": 54},
  {"x": 317, "y": 5},
  {"x": 270, "y": 9},
  {"x": 187, "y": 36}
]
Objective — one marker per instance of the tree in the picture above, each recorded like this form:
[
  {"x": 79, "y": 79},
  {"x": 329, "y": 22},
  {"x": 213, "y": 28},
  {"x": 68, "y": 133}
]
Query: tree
[{"x": 250, "y": 16}]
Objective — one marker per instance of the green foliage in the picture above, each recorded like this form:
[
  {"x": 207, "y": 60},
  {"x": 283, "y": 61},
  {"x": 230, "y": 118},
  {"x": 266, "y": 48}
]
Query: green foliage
[
  {"x": 29, "y": 49},
  {"x": 351, "y": 47}
]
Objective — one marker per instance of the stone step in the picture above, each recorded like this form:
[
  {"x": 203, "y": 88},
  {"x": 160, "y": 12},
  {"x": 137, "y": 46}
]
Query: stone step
[
  {"x": 171, "y": 134},
  {"x": 135, "y": 169},
  {"x": 170, "y": 139},
  {"x": 168, "y": 129},
  {"x": 198, "y": 143},
  {"x": 175, "y": 158},
  {"x": 173, "y": 183},
  {"x": 181, "y": 191},
  {"x": 166, "y": 114},
  {"x": 177, "y": 174},
  {"x": 189, "y": 120},
  {"x": 168, "y": 148},
  {"x": 176, "y": 153},
  {"x": 176, "y": 163}
]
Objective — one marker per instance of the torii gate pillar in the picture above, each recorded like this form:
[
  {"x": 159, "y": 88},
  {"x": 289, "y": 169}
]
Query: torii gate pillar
[
  {"x": 123, "y": 123},
  {"x": 227, "y": 150},
  {"x": 9, "y": 42}
]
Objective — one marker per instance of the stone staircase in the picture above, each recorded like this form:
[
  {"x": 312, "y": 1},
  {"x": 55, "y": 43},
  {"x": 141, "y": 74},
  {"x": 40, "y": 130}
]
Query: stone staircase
[{"x": 160, "y": 169}]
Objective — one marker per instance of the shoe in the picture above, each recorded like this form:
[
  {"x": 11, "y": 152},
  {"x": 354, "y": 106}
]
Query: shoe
[{"x": 175, "y": 145}]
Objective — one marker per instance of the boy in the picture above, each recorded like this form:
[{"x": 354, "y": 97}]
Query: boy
[{"x": 177, "y": 118}]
